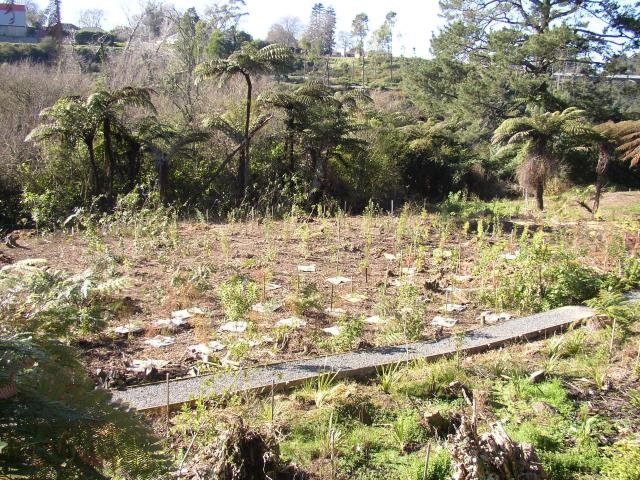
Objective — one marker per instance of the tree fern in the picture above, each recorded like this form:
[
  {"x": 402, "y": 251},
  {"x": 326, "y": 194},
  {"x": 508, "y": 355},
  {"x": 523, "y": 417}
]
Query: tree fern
[
  {"x": 56, "y": 425},
  {"x": 40, "y": 299}
]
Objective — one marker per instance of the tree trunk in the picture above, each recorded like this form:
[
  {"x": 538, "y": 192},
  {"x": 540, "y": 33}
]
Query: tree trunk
[
  {"x": 601, "y": 174},
  {"x": 108, "y": 158},
  {"x": 97, "y": 184},
  {"x": 539, "y": 195},
  {"x": 243, "y": 169},
  {"x": 163, "y": 179},
  {"x": 288, "y": 148},
  {"x": 362, "y": 54},
  {"x": 327, "y": 72}
]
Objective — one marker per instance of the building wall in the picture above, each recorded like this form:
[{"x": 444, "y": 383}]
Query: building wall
[{"x": 14, "y": 23}]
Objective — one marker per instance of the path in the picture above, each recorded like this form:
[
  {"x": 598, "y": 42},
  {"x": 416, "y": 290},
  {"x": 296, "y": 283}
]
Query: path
[{"x": 352, "y": 364}]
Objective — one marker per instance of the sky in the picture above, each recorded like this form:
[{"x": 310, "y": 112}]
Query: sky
[{"x": 416, "y": 19}]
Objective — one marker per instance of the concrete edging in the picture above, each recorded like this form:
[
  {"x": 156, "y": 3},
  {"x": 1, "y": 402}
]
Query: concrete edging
[{"x": 285, "y": 375}]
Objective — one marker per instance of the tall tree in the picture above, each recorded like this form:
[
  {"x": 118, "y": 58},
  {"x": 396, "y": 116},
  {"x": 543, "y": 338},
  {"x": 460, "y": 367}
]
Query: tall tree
[
  {"x": 247, "y": 62},
  {"x": 286, "y": 31},
  {"x": 74, "y": 120},
  {"x": 91, "y": 18},
  {"x": 189, "y": 46},
  {"x": 328, "y": 31},
  {"x": 531, "y": 138},
  {"x": 538, "y": 36},
  {"x": 344, "y": 40},
  {"x": 298, "y": 105},
  {"x": 360, "y": 30},
  {"x": 68, "y": 121}
]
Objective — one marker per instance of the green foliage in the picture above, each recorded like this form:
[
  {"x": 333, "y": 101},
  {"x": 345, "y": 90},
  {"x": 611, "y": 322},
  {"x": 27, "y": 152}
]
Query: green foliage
[
  {"x": 410, "y": 312},
  {"x": 539, "y": 278},
  {"x": 237, "y": 295},
  {"x": 388, "y": 376},
  {"x": 44, "y": 52},
  {"x": 623, "y": 461},
  {"x": 87, "y": 36},
  {"x": 55, "y": 424},
  {"x": 351, "y": 330},
  {"x": 308, "y": 300},
  {"x": 45, "y": 301}
]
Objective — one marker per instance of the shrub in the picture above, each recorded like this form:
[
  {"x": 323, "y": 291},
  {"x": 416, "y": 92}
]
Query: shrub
[
  {"x": 308, "y": 300},
  {"x": 88, "y": 36},
  {"x": 237, "y": 295},
  {"x": 43, "y": 52}
]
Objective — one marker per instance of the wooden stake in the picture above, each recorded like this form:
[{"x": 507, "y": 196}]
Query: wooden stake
[
  {"x": 272, "y": 400},
  {"x": 613, "y": 334},
  {"x": 167, "y": 404},
  {"x": 366, "y": 275},
  {"x": 426, "y": 462},
  {"x": 331, "y": 301}
]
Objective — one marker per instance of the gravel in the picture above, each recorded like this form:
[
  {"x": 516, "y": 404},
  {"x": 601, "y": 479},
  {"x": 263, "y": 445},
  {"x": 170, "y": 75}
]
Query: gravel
[{"x": 352, "y": 364}]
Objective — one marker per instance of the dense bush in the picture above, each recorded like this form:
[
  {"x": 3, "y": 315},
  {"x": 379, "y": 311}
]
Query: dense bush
[
  {"x": 93, "y": 36},
  {"x": 35, "y": 52}
]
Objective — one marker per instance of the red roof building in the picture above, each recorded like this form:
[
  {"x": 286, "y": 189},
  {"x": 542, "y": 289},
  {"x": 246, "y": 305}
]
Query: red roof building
[{"x": 13, "y": 20}]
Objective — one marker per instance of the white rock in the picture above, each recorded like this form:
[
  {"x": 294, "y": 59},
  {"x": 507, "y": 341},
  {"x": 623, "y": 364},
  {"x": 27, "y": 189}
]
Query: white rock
[
  {"x": 170, "y": 323},
  {"x": 462, "y": 278},
  {"x": 272, "y": 286},
  {"x": 187, "y": 313},
  {"x": 453, "y": 307},
  {"x": 354, "y": 297},
  {"x": 336, "y": 312},
  {"x": 235, "y": 327},
  {"x": 338, "y": 280},
  {"x": 145, "y": 365},
  {"x": 306, "y": 268},
  {"x": 266, "y": 307},
  {"x": 374, "y": 320},
  {"x": 334, "y": 331},
  {"x": 489, "y": 317},
  {"x": 389, "y": 256},
  {"x": 292, "y": 322},
  {"x": 409, "y": 271},
  {"x": 440, "y": 321},
  {"x": 129, "y": 328},
  {"x": 510, "y": 256},
  {"x": 160, "y": 341},
  {"x": 205, "y": 349},
  {"x": 396, "y": 282}
]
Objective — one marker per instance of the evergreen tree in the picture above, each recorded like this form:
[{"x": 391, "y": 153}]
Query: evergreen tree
[{"x": 360, "y": 29}]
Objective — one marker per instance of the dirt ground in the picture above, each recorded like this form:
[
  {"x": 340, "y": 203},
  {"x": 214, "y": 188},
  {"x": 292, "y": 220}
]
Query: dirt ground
[{"x": 169, "y": 272}]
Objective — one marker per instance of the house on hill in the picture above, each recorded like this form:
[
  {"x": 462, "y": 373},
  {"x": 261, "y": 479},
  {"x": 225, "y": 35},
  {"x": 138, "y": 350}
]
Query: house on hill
[{"x": 13, "y": 20}]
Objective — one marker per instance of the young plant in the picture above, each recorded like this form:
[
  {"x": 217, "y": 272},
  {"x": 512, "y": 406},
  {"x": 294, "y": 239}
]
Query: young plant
[
  {"x": 388, "y": 376},
  {"x": 308, "y": 300},
  {"x": 237, "y": 295}
]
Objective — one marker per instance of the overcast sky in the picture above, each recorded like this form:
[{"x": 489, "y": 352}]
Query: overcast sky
[{"x": 416, "y": 19}]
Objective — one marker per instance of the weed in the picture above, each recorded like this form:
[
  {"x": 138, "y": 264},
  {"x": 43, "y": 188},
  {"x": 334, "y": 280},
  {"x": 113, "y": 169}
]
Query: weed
[
  {"x": 388, "y": 376},
  {"x": 351, "y": 330},
  {"x": 410, "y": 312},
  {"x": 237, "y": 295},
  {"x": 623, "y": 461},
  {"x": 306, "y": 301}
]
